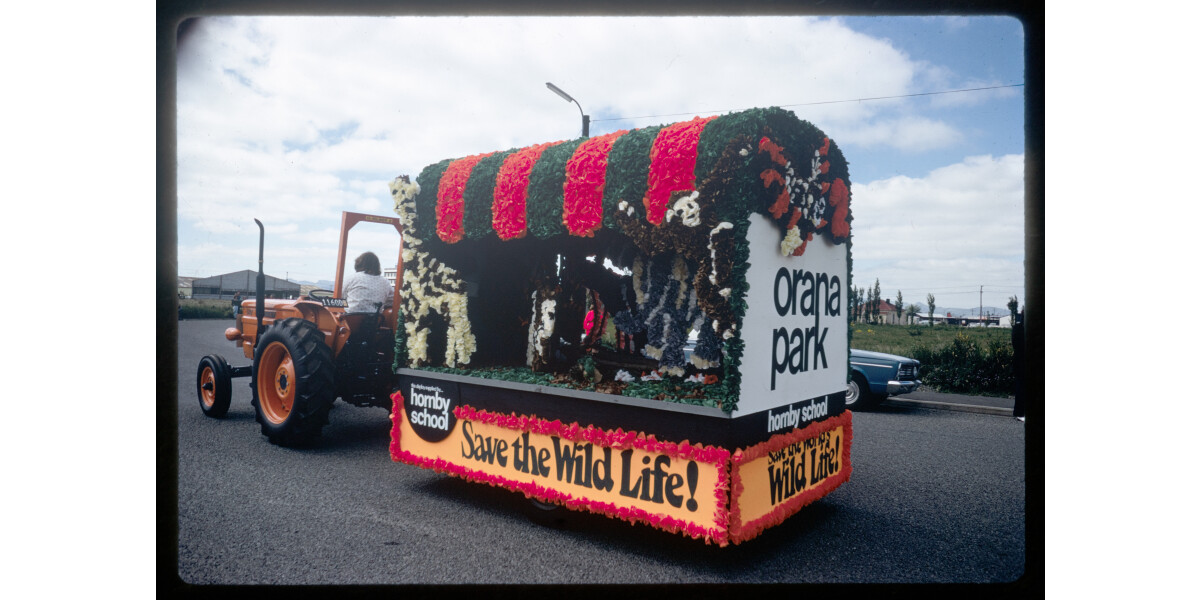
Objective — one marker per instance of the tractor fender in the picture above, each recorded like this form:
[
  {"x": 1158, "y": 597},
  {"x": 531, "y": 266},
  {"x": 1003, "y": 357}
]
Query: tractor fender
[{"x": 336, "y": 332}]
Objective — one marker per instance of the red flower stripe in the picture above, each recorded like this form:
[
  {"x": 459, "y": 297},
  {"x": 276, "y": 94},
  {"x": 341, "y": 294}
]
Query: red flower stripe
[
  {"x": 839, "y": 197},
  {"x": 583, "y": 190},
  {"x": 740, "y": 532},
  {"x": 512, "y": 188},
  {"x": 672, "y": 165},
  {"x": 397, "y": 406},
  {"x": 450, "y": 197}
]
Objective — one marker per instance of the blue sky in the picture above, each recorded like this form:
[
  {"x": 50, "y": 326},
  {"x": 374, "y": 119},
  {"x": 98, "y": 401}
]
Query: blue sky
[
  {"x": 976, "y": 52},
  {"x": 292, "y": 120}
]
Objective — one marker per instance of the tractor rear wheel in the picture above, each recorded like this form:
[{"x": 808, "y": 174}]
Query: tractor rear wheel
[
  {"x": 213, "y": 386},
  {"x": 294, "y": 382}
]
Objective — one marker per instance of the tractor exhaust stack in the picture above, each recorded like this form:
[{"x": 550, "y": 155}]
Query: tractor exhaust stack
[{"x": 260, "y": 282}]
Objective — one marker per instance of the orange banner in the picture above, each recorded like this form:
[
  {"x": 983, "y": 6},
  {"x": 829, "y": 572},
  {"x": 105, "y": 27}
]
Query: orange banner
[
  {"x": 775, "y": 479},
  {"x": 678, "y": 487}
]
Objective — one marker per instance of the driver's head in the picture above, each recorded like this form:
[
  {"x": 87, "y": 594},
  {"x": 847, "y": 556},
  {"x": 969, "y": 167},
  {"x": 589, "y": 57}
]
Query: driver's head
[{"x": 367, "y": 263}]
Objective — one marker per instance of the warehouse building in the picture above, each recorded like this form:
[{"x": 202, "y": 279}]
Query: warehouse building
[{"x": 242, "y": 282}]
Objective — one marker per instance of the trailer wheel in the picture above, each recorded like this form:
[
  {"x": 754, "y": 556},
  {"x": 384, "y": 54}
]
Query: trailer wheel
[
  {"x": 546, "y": 514},
  {"x": 294, "y": 382},
  {"x": 213, "y": 386},
  {"x": 858, "y": 394}
]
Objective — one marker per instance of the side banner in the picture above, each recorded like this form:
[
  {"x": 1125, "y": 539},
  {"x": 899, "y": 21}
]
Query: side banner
[
  {"x": 678, "y": 487},
  {"x": 775, "y": 479}
]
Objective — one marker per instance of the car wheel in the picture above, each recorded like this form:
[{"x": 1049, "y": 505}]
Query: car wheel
[{"x": 858, "y": 394}]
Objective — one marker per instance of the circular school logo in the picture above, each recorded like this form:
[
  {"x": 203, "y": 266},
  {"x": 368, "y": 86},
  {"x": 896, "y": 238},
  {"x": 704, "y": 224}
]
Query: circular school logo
[{"x": 430, "y": 409}]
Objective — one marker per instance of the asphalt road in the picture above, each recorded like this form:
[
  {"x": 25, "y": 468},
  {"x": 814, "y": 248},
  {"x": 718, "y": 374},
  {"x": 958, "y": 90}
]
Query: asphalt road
[{"x": 936, "y": 496}]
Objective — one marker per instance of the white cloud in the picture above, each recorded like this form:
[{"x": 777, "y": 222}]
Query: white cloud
[
  {"x": 910, "y": 133},
  {"x": 959, "y": 227},
  {"x": 259, "y": 97}
]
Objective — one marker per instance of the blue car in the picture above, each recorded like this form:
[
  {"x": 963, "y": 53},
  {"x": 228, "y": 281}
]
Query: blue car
[{"x": 874, "y": 376}]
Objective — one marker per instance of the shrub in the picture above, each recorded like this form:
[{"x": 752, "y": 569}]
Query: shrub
[
  {"x": 964, "y": 366},
  {"x": 194, "y": 311}
]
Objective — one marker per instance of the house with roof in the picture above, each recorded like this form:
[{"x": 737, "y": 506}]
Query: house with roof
[{"x": 887, "y": 313}]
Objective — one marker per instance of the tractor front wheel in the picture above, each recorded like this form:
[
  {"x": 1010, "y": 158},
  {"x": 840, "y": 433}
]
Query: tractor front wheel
[
  {"x": 214, "y": 386},
  {"x": 294, "y": 382}
]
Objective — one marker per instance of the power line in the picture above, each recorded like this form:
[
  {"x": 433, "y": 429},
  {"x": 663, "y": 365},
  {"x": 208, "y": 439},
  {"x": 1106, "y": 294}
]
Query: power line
[
  {"x": 990, "y": 288},
  {"x": 994, "y": 87}
]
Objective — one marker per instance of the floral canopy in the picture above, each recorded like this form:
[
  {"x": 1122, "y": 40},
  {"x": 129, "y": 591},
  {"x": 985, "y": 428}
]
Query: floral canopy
[
  {"x": 669, "y": 205},
  {"x": 578, "y": 186}
]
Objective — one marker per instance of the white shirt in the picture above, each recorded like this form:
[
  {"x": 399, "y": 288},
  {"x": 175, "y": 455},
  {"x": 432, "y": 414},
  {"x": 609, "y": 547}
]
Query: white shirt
[{"x": 364, "y": 293}]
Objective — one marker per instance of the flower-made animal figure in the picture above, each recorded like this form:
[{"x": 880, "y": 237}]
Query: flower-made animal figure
[{"x": 429, "y": 288}]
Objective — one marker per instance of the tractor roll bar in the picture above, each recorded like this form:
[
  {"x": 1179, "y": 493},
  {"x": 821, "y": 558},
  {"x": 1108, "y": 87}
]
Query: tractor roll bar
[{"x": 349, "y": 220}]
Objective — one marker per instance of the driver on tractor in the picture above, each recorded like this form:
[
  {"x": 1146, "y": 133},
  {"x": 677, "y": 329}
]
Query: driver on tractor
[{"x": 367, "y": 291}]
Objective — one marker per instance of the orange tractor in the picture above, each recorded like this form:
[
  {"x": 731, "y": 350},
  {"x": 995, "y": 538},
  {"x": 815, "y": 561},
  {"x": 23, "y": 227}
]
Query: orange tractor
[{"x": 306, "y": 353}]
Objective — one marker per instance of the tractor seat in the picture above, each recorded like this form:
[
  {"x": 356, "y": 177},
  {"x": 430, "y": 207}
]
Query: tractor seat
[{"x": 359, "y": 321}]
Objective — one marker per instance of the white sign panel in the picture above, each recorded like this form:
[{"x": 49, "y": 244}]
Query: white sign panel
[{"x": 795, "y": 328}]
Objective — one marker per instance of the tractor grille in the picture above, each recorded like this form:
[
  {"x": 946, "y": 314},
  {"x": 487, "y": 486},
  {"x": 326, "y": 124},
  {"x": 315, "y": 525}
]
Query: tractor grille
[{"x": 908, "y": 372}]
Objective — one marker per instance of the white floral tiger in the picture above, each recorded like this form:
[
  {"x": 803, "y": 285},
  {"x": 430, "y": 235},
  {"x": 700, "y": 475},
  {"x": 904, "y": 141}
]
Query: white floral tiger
[{"x": 440, "y": 290}]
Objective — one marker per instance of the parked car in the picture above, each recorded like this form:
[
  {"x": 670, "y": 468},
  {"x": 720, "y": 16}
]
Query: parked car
[{"x": 874, "y": 376}]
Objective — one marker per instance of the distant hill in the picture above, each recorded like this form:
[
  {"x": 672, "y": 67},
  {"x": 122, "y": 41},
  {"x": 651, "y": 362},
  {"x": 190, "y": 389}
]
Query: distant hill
[
  {"x": 323, "y": 284},
  {"x": 968, "y": 312}
]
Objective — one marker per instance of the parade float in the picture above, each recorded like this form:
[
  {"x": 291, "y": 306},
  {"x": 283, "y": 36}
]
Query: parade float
[{"x": 649, "y": 324}]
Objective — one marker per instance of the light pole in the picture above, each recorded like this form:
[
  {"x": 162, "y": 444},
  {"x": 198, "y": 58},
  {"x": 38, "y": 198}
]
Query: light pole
[{"x": 565, "y": 96}]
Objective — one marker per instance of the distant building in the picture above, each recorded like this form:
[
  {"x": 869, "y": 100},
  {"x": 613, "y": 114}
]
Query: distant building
[
  {"x": 244, "y": 282},
  {"x": 886, "y": 315}
]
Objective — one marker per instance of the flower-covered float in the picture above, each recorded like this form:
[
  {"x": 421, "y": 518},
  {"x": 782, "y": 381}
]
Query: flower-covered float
[{"x": 649, "y": 324}]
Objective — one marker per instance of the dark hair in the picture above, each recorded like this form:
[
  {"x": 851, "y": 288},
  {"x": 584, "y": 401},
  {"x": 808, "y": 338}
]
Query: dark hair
[{"x": 368, "y": 263}]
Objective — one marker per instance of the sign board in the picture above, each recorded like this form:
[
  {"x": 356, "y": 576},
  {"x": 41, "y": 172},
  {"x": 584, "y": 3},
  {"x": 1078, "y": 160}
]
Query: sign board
[{"x": 795, "y": 326}]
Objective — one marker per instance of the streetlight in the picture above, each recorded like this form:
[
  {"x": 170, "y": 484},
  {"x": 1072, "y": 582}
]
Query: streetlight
[{"x": 565, "y": 96}]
